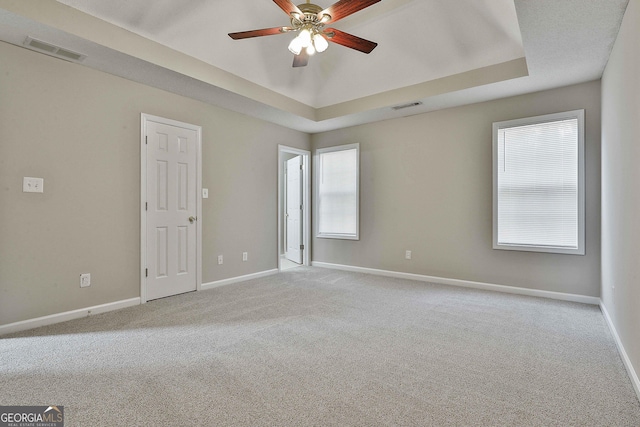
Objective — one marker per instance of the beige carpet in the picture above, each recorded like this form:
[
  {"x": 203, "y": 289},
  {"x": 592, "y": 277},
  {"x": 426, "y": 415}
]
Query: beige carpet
[{"x": 327, "y": 348}]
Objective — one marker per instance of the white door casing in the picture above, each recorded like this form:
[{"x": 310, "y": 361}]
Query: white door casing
[
  {"x": 171, "y": 209},
  {"x": 293, "y": 202}
]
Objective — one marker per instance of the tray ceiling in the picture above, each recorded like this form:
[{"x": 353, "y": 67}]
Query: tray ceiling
[{"x": 438, "y": 53}]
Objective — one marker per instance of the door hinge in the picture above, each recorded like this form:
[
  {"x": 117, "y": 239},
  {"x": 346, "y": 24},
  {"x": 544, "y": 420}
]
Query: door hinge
[
  {"x": 146, "y": 139},
  {"x": 300, "y": 207},
  {"x": 146, "y": 272},
  {"x": 301, "y": 167},
  {"x": 146, "y": 206},
  {"x": 301, "y": 247}
]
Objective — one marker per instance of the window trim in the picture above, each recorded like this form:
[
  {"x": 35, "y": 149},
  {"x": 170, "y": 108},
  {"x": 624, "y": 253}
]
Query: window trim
[
  {"x": 574, "y": 114},
  {"x": 316, "y": 188}
]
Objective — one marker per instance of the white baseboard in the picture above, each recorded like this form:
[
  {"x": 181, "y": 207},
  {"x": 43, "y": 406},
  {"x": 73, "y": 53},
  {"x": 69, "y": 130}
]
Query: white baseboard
[
  {"x": 464, "y": 283},
  {"x": 103, "y": 308},
  {"x": 623, "y": 353},
  {"x": 67, "y": 315},
  {"x": 238, "y": 279}
]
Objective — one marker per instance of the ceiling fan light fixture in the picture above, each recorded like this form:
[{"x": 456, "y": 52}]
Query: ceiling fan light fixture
[
  {"x": 295, "y": 46},
  {"x": 305, "y": 37},
  {"x": 320, "y": 43},
  {"x": 309, "y": 20}
]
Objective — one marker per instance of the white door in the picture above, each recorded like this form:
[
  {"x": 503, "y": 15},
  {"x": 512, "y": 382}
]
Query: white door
[
  {"x": 293, "y": 223},
  {"x": 171, "y": 210}
]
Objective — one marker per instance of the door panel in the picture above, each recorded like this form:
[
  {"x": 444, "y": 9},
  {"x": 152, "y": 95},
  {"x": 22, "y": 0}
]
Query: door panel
[
  {"x": 171, "y": 193},
  {"x": 293, "y": 202}
]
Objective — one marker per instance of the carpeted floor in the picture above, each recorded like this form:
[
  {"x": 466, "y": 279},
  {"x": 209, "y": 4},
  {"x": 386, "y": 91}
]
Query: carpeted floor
[{"x": 321, "y": 347}]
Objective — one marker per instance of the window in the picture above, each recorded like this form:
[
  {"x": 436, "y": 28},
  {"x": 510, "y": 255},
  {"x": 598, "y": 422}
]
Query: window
[
  {"x": 538, "y": 184},
  {"x": 337, "y": 191}
]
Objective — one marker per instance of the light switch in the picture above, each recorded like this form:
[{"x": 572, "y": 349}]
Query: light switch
[
  {"x": 205, "y": 193},
  {"x": 32, "y": 185}
]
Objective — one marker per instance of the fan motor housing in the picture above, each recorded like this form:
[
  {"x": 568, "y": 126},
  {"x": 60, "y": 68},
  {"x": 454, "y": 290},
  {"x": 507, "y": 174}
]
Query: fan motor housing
[
  {"x": 310, "y": 15},
  {"x": 309, "y": 8}
]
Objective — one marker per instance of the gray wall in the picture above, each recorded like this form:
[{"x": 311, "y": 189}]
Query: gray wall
[
  {"x": 79, "y": 129},
  {"x": 620, "y": 181},
  {"x": 426, "y": 186}
]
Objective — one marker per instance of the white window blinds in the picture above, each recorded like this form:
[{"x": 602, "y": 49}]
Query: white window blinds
[
  {"x": 338, "y": 192},
  {"x": 537, "y": 184}
]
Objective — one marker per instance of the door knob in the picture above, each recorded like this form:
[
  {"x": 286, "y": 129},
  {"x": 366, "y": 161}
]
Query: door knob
[{"x": 192, "y": 219}]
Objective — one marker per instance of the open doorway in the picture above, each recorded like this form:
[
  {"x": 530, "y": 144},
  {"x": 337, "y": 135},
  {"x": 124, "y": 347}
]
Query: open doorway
[{"x": 294, "y": 209}]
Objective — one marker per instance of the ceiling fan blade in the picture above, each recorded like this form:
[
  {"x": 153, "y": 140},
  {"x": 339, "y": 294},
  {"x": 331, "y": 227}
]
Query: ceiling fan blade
[
  {"x": 301, "y": 60},
  {"x": 288, "y": 7},
  {"x": 349, "y": 40},
  {"x": 344, "y": 8},
  {"x": 259, "y": 33}
]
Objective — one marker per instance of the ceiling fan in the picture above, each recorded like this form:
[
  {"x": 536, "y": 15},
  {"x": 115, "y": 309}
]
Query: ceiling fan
[{"x": 309, "y": 21}]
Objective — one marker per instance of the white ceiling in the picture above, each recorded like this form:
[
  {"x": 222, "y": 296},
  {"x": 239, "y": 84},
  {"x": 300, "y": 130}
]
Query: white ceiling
[{"x": 441, "y": 53}]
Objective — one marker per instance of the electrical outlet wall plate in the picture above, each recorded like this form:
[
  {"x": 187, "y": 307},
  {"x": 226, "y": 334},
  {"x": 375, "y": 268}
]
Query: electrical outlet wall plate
[
  {"x": 32, "y": 185},
  {"x": 85, "y": 280}
]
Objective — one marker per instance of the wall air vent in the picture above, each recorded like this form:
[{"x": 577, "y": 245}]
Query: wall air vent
[
  {"x": 403, "y": 106},
  {"x": 57, "y": 51}
]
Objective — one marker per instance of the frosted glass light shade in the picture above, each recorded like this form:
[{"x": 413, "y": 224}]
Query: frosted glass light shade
[
  {"x": 295, "y": 46},
  {"x": 305, "y": 37},
  {"x": 320, "y": 43}
]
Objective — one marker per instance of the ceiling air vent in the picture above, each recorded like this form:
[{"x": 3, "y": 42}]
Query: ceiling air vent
[
  {"x": 57, "y": 51},
  {"x": 403, "y": 106}
]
